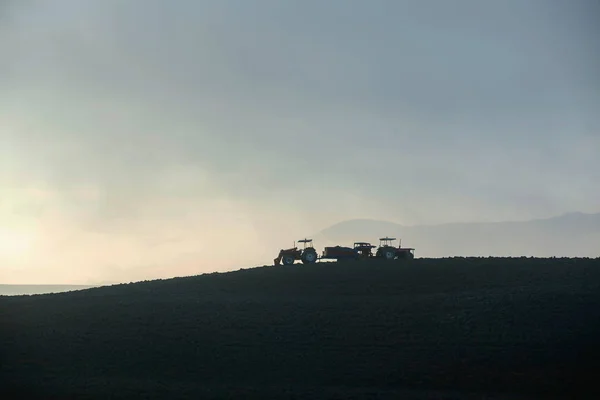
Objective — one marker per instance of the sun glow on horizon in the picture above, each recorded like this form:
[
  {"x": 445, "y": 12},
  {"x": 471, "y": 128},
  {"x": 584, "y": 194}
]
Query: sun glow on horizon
[{"x": 14, "y": 245}]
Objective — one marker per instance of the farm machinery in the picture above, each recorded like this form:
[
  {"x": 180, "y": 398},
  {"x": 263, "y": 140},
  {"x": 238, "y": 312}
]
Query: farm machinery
[
  {"x": 307, "y": 254},
  {"x": 360, "y": 251},
  {"x": 389, "y": 252}
]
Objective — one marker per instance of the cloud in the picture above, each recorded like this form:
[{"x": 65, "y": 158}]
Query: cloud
[{"x": 126, "y": 124}]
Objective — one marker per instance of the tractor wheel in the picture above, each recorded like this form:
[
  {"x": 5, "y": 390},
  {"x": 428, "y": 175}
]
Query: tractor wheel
[
  {"x": 309, "y": 257},
  {"x": 389, "y": 254},
  {"x": 288, "y": 260}
]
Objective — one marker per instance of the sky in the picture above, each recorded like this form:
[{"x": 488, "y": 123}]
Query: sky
[{"x": 144, "y": 139}]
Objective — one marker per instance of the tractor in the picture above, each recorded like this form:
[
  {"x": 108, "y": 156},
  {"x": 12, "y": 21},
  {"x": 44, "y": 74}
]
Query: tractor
[
  {"x": 388, "y": 251},
  {"x": 308, "y": 254}
]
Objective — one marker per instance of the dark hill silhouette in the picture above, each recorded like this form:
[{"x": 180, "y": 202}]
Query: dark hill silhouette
[
  {"x": 568, "y": 235},
  {"x": 446, "y": 328}
]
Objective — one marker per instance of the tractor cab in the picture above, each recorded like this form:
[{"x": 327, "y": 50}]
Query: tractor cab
[
  {"x": 386, "y": 242},
  {"x": 306, "y": 243}
]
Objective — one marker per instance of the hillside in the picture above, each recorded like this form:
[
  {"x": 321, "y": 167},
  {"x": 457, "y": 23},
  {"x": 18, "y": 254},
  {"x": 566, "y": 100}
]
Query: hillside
[
  {"x": 430, "y": 328},
  {"x": 569, "y": 235}
]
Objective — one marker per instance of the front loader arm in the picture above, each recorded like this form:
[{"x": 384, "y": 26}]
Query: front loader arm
[{"x": 277, "y": 261}]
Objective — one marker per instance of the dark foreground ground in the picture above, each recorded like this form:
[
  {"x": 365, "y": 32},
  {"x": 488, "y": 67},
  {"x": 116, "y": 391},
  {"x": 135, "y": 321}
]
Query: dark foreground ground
[{"x": 446, "y": 328}]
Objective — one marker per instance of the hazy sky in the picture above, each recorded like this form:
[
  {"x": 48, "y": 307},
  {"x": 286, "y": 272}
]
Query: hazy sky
[{"x": 144, "y": 139}]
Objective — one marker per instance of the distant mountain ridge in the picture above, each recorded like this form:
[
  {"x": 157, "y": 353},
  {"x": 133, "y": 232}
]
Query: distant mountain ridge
[{"x": 574, "y": 234}]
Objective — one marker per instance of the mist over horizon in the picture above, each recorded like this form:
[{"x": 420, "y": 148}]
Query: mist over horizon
[{"x": 143, "y": 140}]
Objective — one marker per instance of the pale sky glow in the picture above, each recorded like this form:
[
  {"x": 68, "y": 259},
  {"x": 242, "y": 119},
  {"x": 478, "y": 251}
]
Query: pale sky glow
[{"x": 145, "y": 139}]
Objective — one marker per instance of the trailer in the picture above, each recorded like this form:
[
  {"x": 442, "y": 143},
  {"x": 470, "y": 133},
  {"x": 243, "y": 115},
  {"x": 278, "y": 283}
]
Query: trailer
[{"x": 359, "y": 251}]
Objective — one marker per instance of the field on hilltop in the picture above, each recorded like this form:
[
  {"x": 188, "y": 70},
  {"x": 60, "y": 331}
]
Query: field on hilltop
[{"x": 454, "y": 327}]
